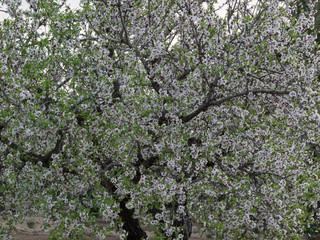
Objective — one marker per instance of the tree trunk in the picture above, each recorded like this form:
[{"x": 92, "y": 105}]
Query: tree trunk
[
  {"x": 185, "y": 223},
  {"x": 131, "y": 225}
]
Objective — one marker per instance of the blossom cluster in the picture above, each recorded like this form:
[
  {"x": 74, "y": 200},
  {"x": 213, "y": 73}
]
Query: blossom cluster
[{"x": 162, "y": 113}]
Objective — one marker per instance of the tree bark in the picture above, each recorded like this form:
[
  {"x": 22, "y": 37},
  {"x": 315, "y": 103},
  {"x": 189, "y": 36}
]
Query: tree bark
[{"x": 131, "y": 225}]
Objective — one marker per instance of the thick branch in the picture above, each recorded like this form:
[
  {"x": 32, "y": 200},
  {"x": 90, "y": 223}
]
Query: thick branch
[
  {"x": 210, "y": 103},
  {"x": 116, "y": 91},
  {"x": 185, "y": 74},
  {"x": 9, "y": 100},
  {"x": 63, "y": 82},
  {"x": 35, "y": 158}
]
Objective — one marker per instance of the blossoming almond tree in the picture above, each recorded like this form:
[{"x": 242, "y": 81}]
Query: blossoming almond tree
[{"x": 158, "y": 112}]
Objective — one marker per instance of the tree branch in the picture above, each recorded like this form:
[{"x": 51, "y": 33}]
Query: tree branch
[
  {"x": 127, "y": 40},
  {"x": 210, "y": 103},
  {"x": 9, "y": 100}
]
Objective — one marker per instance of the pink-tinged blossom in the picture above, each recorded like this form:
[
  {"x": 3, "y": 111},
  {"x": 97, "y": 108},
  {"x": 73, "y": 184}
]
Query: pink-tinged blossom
[{"x": 161, "y": 106}]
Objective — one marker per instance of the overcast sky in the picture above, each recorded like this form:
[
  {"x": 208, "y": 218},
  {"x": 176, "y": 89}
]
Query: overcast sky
[
  {"x": 75, "y": 4},
  {"x": 25, "y": 5}
]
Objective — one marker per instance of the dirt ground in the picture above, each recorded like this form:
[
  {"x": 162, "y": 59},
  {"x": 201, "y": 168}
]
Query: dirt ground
[{"x": 31, "y": 230}]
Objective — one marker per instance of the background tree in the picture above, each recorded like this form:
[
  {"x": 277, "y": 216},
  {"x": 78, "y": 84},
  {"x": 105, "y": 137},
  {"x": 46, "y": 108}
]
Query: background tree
[
  {"x": 159, "y": 113},
  {"x": 303, "y": 6}
]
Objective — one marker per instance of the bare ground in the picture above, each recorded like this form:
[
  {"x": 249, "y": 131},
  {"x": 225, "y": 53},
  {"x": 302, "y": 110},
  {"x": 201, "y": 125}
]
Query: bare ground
[{"x": 31, "y": 230}]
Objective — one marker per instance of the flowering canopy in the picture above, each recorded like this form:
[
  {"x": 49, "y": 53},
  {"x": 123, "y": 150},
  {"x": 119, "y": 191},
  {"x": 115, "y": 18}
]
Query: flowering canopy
[{"x": 158, "y": 112}]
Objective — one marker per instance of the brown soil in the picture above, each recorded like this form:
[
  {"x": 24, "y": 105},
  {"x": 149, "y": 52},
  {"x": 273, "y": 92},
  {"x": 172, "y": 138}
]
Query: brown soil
[{"x": 31, "y": 230}]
